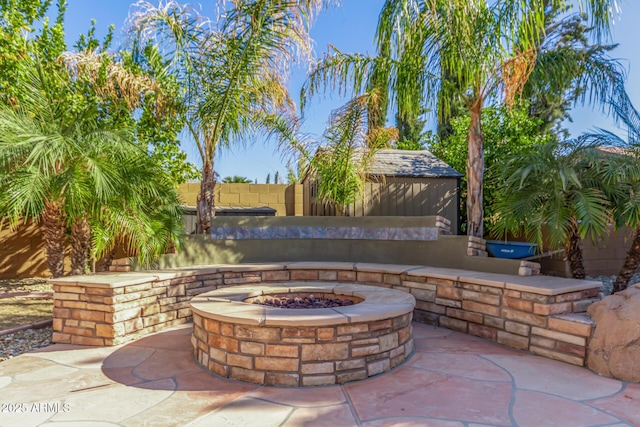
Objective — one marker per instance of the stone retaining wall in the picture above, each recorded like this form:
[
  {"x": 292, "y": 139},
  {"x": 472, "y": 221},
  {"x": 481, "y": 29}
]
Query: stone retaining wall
[
  {"x": 535, "y": 313},
  {"x": 302, "y": 356}
]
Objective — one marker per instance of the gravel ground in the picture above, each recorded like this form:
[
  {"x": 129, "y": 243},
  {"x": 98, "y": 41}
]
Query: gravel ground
[
  {"x": 28, "y": 340},
  {"x": 13, "y": 345},
  {"x": 25, "y": 285},
  {"x": 607, "y": 282}
]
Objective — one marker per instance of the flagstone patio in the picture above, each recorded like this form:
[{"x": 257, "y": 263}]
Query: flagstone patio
[{"x": 452, "y": 380}]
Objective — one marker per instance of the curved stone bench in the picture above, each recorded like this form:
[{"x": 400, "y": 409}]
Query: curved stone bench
[
  {"x": 302, "y": 347},
  {"x": 536, "y": 313}
]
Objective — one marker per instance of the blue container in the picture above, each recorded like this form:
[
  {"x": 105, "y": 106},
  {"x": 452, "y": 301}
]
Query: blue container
[{"x": 511, "y": 250}]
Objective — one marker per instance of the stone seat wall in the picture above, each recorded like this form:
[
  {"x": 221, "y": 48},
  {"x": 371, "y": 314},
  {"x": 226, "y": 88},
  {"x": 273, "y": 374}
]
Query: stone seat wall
[{"x": 535, "y": 313}]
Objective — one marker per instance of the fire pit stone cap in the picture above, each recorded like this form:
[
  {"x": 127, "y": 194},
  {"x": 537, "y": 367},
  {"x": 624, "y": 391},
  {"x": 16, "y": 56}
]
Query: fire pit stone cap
[{"x": 226, "y": 304}]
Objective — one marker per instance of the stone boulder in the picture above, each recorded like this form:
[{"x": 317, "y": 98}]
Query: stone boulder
[{"x": 614, "y": 348}]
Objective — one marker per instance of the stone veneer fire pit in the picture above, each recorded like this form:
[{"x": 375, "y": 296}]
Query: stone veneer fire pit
[{"x": 302, "y": 347}]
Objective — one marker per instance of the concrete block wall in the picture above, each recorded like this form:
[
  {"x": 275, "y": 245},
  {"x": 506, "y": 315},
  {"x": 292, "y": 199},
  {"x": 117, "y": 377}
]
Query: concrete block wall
[{"x": 285, "y": 198}]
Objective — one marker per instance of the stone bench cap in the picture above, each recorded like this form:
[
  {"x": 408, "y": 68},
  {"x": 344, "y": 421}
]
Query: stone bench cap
[{"x": 543, "y": 285}]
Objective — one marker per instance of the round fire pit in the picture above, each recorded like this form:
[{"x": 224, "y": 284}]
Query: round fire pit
[{"x": 234, "y": 337}]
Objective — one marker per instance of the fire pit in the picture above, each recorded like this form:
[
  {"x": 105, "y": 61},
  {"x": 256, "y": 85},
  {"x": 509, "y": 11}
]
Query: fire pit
[
  {"x": 304, "y": 301},
  {"x": 234, "y": 337}
]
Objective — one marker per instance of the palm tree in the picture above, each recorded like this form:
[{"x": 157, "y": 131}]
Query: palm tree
[
  {"x": 569, "y": 68},
  {"x": 565, "y": 188},
  {"x": 61, "y": 164},
  {"x": 466, "y": 51},
  {"x": 234, "y": 75},
  {"x": 144, "y": 218},
  {"x": 358, "y": 74},
  {"x": 236, "y": 179},
  {"x": 485, "y": 48},
  {"x": 341, "y": 159},
  {"x": 628, "y": 205}
]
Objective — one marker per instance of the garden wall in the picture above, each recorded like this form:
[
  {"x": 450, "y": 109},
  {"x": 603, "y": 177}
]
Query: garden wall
[
  {"x": 539, "y": 314},
  {"x": 396, "y": 240},
  {"x": 286, "y": 199}
]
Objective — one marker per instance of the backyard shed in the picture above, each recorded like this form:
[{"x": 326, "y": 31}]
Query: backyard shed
[{"x": 399, "y": 183}]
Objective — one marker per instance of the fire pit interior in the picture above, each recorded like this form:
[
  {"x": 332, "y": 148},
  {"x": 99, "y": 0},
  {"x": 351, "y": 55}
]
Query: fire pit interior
[
  {"x": 304, "y": 300},
  {"x": 236, "y": 336}
]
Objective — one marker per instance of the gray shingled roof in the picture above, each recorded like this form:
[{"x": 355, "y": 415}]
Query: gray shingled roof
[{"x": 410, "y": 163}]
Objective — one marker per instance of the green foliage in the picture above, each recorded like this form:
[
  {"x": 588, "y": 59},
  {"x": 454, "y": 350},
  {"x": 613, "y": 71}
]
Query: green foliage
[
  {"x": 56, "y": 149},
  {"x": 236, "y": 180},
  {"x": 232, "y": 74},
  {"x": 562, "y": 192},
  {"x": 410, "y": 145},
  {"x": 26, "y": 33},
  {"x": 507, "y": 132},
  {"x": 426, "y": 140},
  {"x": 556, "y": 185},
  {"x": 156, "y": 114},
  {"x": 340, "y": 163},
  {"x": 625, "y": 203},
  {"x": 570, "y": 68}
]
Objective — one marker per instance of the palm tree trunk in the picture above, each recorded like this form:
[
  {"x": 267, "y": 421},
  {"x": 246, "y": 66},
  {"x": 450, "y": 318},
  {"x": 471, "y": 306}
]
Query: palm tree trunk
[
  {"x": 475, "y": 173},
  {"x": 53, "y": 234},
  {"x": 105, "y": 261},
  {"x": 574, "y": 252},
  {"x": 206, "y": 199},
  {"x": 631, "y": 263},
  {"x": 80, "y": 241}
]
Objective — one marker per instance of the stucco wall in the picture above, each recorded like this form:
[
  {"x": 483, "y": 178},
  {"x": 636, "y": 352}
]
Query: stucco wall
[
  {"x": 447, "y": 251},
  {"x": 604, "y": 258},
  {"x": 22, "y": 252}
]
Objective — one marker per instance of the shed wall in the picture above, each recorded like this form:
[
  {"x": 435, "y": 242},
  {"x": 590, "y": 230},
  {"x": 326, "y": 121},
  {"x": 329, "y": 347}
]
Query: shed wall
[{"x": 396, "y": 196}]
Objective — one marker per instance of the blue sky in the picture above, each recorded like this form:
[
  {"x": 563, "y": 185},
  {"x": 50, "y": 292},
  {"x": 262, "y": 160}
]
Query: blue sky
[{"x": 350, "y": 28}]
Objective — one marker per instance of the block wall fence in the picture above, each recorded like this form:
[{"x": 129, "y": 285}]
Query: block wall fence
[
  {"x": 286, "y": 199},
  {"x": 543, "y": 315}
]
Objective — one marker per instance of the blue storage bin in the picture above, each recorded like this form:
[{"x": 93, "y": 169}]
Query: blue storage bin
[{"x": 511, "y": 250}]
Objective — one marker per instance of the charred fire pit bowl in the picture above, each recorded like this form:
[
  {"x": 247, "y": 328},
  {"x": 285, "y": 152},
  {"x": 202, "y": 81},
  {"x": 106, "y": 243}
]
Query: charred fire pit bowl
[{"x": 236, "y": 338}]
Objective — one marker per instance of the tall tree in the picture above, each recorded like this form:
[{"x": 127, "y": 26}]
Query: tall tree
[
  {"x": 62, "y": 165},
  {"x": 236, "y": 179},
  {"x": 486, "y": 48},
  {"x": 234, "y": 73},
  {"x": 627, "y": 206}
]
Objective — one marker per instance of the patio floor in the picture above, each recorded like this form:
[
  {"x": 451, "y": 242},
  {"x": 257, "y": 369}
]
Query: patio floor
[{"x": 452, "y": 380}]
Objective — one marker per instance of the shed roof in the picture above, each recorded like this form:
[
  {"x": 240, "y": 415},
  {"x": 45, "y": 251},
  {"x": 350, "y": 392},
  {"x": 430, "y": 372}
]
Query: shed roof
[{"x": 419, "y": 164}]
